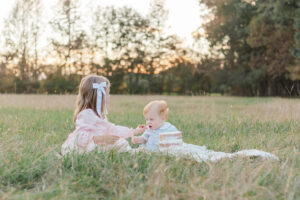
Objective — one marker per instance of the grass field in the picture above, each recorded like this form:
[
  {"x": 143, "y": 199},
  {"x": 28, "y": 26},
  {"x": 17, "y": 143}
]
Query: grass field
[{"x": 33, "y": 127}]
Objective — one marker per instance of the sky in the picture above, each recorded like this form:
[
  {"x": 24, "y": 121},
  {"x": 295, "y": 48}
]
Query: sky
[{"x": 184, "y": 15}]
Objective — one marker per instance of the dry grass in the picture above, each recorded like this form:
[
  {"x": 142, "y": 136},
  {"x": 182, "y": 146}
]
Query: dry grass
[
  {"x": 261, "y": 109},
  {"x": 37, "y": 101},
  {"x": 33, "y": 127},
  {"x": 278, "y": 109}
]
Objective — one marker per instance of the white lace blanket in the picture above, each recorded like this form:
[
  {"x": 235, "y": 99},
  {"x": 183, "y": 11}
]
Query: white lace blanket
[
  {"x": 201, "y": 153},
  {"x": 198, "y": 153}
]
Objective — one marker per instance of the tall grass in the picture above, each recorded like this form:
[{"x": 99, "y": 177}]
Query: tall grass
[{"x": 33, "y": 127}]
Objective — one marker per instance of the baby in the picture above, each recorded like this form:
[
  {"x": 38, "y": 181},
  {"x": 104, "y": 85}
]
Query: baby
[{"x": 155, "y": 113}]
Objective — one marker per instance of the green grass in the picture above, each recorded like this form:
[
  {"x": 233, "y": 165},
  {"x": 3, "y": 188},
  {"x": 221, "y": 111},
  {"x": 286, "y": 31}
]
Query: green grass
[{"x": 31, "y": 136}]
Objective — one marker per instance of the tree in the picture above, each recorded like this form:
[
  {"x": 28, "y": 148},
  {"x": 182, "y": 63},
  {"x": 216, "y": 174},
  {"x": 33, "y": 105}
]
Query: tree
[
  {"x": 21, "y": 34},
  {"x": 70, "y": 39},
  {"x": 256, "y": 40},
  {"x": 162, "y": 48}
]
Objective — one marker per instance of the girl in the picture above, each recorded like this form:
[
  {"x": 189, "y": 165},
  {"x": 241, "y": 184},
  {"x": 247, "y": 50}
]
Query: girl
[{"x": 92, "y": 127}]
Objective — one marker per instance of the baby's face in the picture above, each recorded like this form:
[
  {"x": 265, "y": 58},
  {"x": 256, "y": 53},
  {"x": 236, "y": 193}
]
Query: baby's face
[{"x": 153, "y": 119}]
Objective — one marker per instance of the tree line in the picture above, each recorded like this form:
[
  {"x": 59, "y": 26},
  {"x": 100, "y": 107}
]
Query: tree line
[
  {"x": 259, "y": 41},
  {"x": 254, "y": 49}
]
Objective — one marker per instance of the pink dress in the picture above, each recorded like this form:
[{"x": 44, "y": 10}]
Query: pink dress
[{"x": 88, "y": 124}]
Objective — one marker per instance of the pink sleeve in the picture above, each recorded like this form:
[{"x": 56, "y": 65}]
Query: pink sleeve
[
  {"x": 88, "y": 119},
  {"x": 86, "y": 129},
  {"x": 121, "y": 131},
  {"x": 84, "y": 137}
]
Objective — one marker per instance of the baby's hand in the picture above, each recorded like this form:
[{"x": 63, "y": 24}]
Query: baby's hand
[
  {"x": 139, "y": 129},
  {"x": 134, "y": 140}
]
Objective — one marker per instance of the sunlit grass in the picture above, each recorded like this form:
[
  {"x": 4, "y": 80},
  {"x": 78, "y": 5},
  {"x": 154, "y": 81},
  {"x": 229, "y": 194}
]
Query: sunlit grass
[{"x": 33, "y": 127}]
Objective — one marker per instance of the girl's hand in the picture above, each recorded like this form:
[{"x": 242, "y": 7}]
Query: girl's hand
[
  {"x": 105, "y": 139},
  {"x": 139, "y": 129}
]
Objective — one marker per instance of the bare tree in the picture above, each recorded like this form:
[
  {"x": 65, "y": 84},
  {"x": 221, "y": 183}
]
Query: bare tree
[
  {"x": 101, "y": 39},
  {"x": 68, "y": 39},
  {"x": 36, "y": 27},
  {"x": 21, "y": 36}
]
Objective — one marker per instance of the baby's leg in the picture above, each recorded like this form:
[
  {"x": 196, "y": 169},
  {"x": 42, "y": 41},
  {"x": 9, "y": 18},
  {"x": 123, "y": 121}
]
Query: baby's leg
[
  {"x": 122, "y": 145},
  {"x": 140, "y": 149}
]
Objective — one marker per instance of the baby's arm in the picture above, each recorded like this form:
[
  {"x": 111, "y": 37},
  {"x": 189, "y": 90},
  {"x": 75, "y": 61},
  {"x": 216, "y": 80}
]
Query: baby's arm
[{"x": 141, "y": 139}]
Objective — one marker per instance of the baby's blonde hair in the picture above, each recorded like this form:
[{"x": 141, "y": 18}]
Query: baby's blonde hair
[
  {"x": 160, "y": 105},
  {"x": 87, "y": 96}
]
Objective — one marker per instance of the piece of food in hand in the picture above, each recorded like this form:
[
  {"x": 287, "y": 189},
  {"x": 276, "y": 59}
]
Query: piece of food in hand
[{"x": 142, "y": 126}]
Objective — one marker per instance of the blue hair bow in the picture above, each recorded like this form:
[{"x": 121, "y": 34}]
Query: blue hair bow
[{"x": 100, "y": 89}]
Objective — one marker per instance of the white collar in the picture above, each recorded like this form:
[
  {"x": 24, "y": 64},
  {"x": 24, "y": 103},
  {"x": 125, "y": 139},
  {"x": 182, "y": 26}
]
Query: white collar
[{"x": 165, "y": 126}]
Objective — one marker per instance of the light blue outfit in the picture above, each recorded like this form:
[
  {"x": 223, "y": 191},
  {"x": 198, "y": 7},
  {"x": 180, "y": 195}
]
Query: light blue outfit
[{"x": 152, "y": 136}]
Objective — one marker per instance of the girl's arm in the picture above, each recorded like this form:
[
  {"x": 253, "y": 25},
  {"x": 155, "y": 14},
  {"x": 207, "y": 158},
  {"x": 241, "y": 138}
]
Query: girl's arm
[
  {"x": 89, "y": 129},
  {"x": 125, "y": 132},
  {"x": 105, "y": 139},
  {"x": 83, "y": 138},
  {"x": 85, "y": 135},
  {"x": 121, "y": 131}
]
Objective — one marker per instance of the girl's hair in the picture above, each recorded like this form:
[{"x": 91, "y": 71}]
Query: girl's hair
[
  {"x": 87, "y": 96},
  {"x": 161, "y": 106}
]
